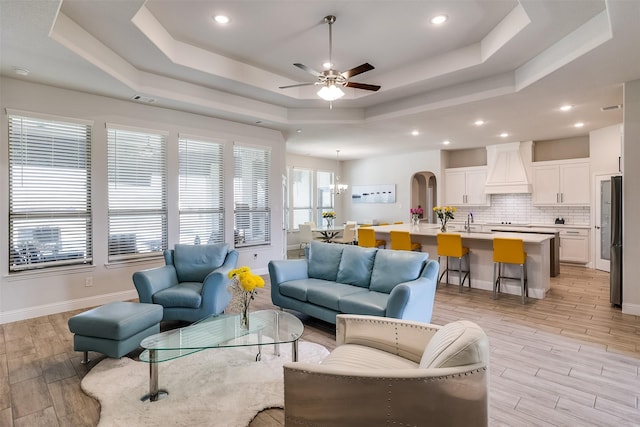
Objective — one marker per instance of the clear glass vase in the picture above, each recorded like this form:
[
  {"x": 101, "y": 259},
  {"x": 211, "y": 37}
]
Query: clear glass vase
[
  {"x": 443, "y": 226},
  {"x": 244, "y": 318},
  {"x": 415, "y": 219}
]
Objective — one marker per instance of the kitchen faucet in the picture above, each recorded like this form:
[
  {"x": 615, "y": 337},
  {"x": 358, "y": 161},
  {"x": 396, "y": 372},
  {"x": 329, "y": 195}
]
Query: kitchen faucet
[{"x": 467, "y": 224}]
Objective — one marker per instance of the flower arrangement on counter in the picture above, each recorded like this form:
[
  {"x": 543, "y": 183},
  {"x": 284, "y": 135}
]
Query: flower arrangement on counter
[
  {"x": 243, "y": 289},
  {"x": 444, "y": 213},
  {"x": 416, "y": 213}
]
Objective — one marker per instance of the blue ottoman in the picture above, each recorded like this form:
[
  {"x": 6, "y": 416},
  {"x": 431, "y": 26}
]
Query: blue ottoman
[{"x": 114, "y": 329}]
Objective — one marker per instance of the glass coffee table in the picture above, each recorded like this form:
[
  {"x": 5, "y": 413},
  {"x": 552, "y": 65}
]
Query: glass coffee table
[{"x": 266, "y": 327}]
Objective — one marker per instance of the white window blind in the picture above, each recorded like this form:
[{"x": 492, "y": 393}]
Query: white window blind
[
  {"x": 302, "y": 195},
  {"x": 137, "y": 193},
  {"x": 201, "y": 191},
  {"x": 251, "y": 189},
  {"x": 49, "y": 193}
]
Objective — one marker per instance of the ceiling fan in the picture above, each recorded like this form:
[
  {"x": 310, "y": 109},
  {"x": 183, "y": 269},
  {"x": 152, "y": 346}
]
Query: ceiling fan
[{"x": 331, "y": 80}]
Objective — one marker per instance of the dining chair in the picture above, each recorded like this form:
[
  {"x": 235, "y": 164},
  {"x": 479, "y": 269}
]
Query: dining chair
[
  {"x": 306, "y": 236},
  {"x": 509, "y": 251},
  {"x": 367, "y": 238},
  {"x": 450, "y": 246},
  {"x": 348, "y": 235},
  {"x": 401, "y": 240}
]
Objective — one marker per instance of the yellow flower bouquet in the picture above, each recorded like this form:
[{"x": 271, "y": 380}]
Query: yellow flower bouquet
[
  {"x": 329, "y": 216},
  {"x": 444, "y": 213},
  {"x": 243, "y": 289}
]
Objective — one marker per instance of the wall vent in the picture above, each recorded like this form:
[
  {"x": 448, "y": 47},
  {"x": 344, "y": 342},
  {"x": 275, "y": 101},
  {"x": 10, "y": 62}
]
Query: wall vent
[{"x": 145, "y": 99}]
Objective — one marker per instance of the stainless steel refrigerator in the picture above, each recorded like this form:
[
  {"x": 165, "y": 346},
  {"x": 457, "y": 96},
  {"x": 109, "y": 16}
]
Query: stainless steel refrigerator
[{"x": 616, "y": 241}]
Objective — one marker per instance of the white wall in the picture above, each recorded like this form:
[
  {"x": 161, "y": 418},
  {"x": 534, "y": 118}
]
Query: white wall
[
  {"x": 33, "y": 294},
  {"x": 399, "y": 170},
  {"x": 604, "y": 149},
  {"x": 631, "y": 198}
]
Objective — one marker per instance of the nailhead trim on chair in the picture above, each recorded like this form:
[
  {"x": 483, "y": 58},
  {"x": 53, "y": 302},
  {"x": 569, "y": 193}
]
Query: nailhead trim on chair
[
  {"x": 394, "y": 379},
  {"x": 404, "y": 325}
]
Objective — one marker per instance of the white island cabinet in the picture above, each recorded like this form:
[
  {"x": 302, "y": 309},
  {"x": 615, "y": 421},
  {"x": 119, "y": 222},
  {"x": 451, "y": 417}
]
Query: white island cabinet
[
  {"x": 561, "y": 182},
  {"x": 480, "y": 246},
  {"x": 465, "y": 186}
]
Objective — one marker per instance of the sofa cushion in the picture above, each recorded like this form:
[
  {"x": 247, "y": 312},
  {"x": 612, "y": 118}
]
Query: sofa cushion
[
  {"x": 456, "y": 344},
  {"x": 324, "y": 260},
  {"x": 185, "y": 294},
  {"x": 330, "y": 294},
  {"x": 393, "y": 266},
  {"x": 355, "y": 266},
  {"x": 297, "y": 289},
  {"x": 369, "y": 303},
  {"x": 194, "y": 262}
]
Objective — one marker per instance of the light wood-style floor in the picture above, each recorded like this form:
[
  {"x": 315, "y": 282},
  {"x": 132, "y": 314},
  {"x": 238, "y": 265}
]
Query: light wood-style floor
[{"x": 570, "y": 359}]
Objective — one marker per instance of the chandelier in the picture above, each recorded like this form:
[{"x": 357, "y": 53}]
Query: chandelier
[{"x": 337, "y": 187}]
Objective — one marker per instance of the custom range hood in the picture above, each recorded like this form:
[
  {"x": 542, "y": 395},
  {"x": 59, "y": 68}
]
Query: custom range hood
[{"x": 508, "y": 168}]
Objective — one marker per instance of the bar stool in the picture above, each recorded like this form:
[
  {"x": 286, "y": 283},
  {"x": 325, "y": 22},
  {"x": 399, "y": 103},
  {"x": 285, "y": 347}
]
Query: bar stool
[
  {"x": 401, "y": 240},
  {"x": 450, "y": 246},
  {"x": 509, "y": 251},
  {"x": 367, "y": 238}
]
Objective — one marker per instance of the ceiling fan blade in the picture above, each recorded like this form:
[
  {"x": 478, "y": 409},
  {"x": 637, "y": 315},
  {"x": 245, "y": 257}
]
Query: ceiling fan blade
[
  {"x": 307, "y": 69},
  {"x": 296, "y": 85},
  {"x": 358, "y": 70},
  {"x": 362, "y": 86}
]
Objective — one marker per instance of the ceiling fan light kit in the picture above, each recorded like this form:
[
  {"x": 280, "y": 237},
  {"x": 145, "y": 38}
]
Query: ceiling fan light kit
[{"x": 331, "y": 80}]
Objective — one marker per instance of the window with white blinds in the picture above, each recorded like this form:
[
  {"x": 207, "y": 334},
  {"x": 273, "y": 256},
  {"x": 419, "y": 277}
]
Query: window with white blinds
[
  {"x": 49, "y": 193},
  {"x": 251, "y": 189},
  {"x": 302, "y": 196},
  {"x": 201, "y": 182},
  {"x": 137, "y": 193},
  {"x": 325, "y": 198}
]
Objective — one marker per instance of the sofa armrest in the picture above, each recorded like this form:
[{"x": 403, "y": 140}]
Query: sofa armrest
[
  {"x": 152, "y": 280},
  {"x": 397, "y": 397},
  {"x": 404, "y": 338},
  {"x": 281, "y": 271}
]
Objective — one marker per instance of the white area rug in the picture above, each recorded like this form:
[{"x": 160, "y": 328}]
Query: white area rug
[{"x": 216, "y": 387}]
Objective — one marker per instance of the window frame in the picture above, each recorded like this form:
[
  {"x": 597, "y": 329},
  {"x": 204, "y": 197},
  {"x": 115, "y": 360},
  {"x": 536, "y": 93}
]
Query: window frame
[
  {"x": 123, "y": 243},
  {"x": 251, "y": 195},
  {"x": 38, "y": 141}
]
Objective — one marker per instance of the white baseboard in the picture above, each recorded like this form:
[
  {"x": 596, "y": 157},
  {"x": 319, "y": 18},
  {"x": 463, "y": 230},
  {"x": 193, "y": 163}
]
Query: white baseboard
[
  {"x": 60, "y": 307},
  {"x": 631, "y": 309}
]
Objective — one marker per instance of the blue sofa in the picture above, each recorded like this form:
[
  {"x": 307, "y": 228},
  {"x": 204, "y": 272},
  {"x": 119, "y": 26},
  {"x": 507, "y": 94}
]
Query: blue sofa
[{"x": 334, "y": 279}]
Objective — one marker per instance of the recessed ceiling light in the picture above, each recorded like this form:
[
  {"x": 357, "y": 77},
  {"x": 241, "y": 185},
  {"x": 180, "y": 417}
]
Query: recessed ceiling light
[
  {"x": 415, "y": 133},
  {"x": 579, "y": 125},
  {"x": 327, "y": 65},
  {"x": 222, "y": 19},
  {"x": 504, "y": 135},
  {"x": 21, "y": 71},
  {"x": 566, "y": 107},
  {"x": 298, "y": 130},
  {"x": 440, "y": 19},
  {"x": 446, "y": 142},
  {"x": 479, "y": 122}
]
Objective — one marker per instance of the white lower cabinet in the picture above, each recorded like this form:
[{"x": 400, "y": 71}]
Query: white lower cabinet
[{"x": 574, "y": 245}]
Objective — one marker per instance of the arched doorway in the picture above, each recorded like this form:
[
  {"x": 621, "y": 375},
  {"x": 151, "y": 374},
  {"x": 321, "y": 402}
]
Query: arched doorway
[{"x": 424, "y": 193}]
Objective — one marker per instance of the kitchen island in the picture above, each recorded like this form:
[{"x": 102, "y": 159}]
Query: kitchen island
[{"x": 480, "y": 246}]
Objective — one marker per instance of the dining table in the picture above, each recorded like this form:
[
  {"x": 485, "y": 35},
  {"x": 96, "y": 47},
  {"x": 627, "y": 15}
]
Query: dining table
[{"x": 328, "y": 233}]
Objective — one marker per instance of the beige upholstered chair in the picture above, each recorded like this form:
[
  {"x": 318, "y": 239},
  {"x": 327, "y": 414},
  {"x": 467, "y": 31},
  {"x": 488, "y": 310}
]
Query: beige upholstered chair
[
  {"x": 393, "y": 372},
  {"x": 348, "y": 235}
]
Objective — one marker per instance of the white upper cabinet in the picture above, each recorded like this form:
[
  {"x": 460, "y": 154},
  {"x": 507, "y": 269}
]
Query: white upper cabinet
[
  {"x": 562, "y": 182},
  {"x": 465, "y": 186}
]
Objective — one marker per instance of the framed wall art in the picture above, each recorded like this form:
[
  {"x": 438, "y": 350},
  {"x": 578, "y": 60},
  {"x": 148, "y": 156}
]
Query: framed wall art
[{"x": 385, "y": 193}]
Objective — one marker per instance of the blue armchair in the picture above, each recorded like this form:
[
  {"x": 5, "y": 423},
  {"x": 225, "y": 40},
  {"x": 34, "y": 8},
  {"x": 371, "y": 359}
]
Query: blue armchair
[{"x": 193, "y": 283}]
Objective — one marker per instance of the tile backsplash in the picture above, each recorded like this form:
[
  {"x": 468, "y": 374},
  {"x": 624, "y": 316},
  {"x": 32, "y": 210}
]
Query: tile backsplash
[{"x": 517, "y": 208}]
